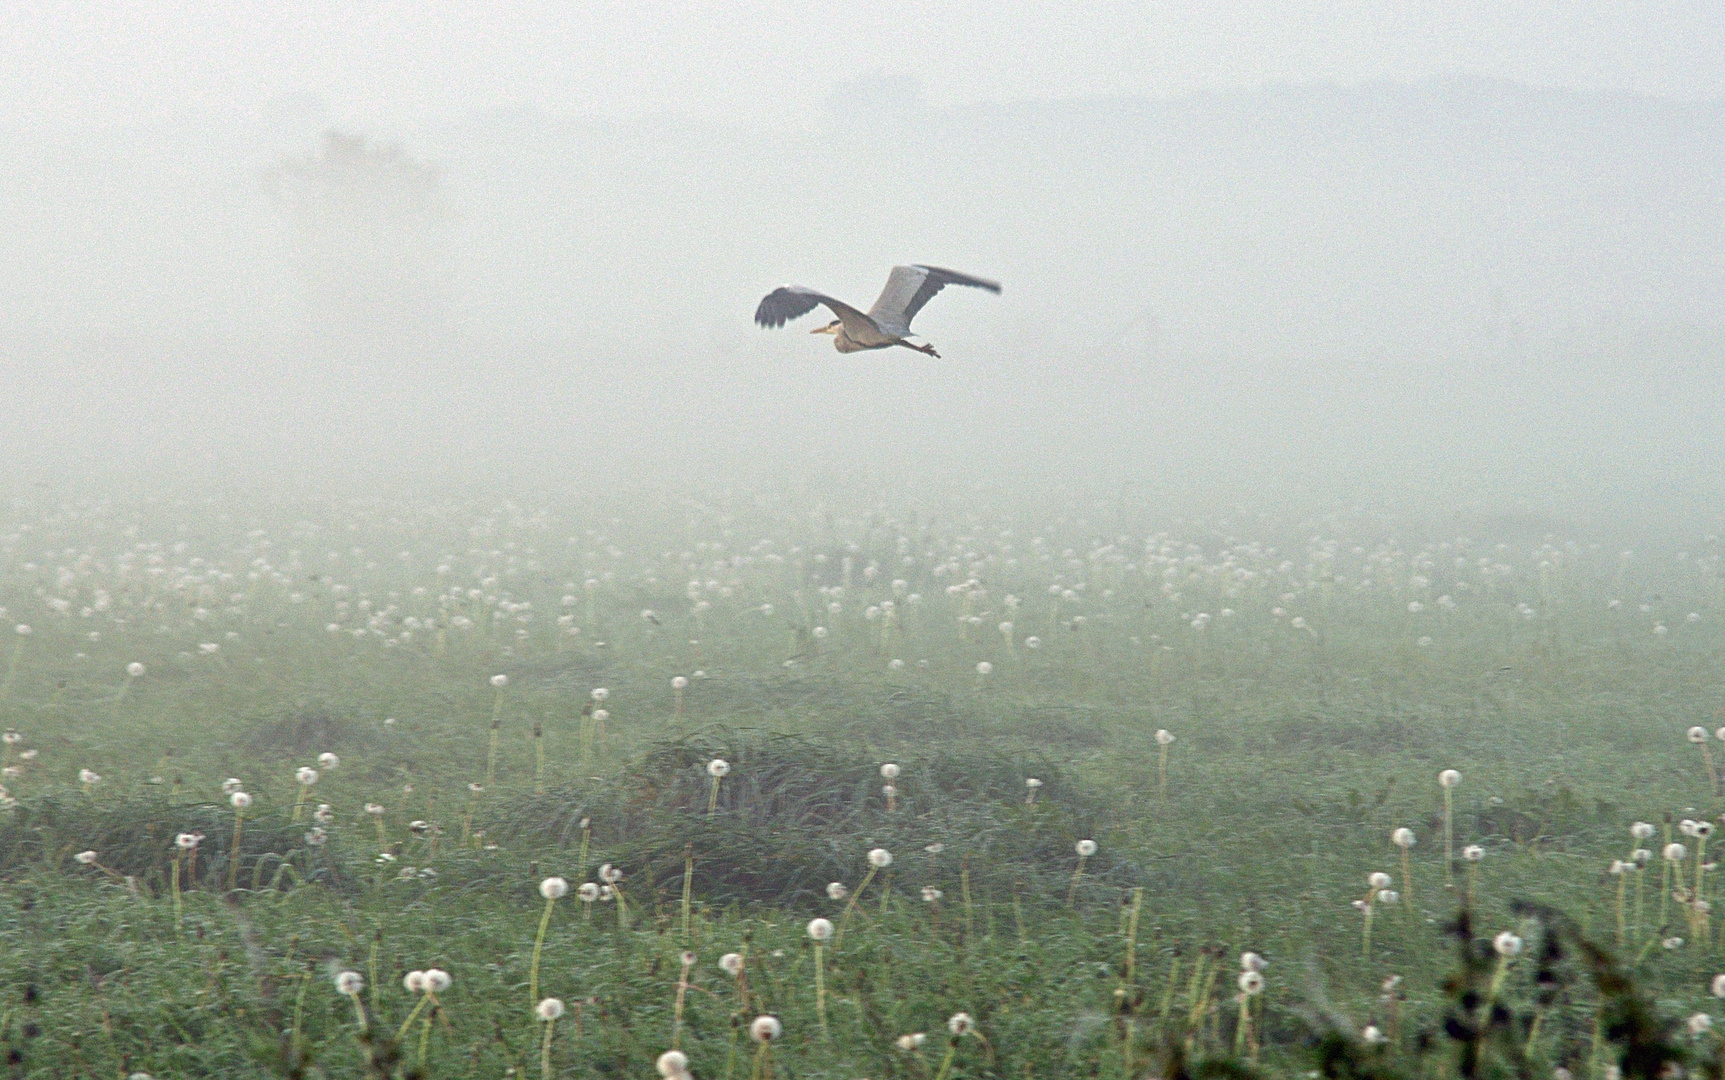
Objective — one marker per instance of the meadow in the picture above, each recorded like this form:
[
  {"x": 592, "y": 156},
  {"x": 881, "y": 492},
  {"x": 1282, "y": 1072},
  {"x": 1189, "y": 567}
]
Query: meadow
[{"x": 872, "y": 787}]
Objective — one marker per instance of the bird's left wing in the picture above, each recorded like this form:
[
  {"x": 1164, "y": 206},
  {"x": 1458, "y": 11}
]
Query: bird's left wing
[
  {"x": 793, "y": 301},
  {"x": 908, "y": 288}
]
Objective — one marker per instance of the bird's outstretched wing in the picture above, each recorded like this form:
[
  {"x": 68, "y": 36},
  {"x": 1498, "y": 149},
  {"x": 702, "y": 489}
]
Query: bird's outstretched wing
[
  {"x": 908, "y": 288},
  {"x": 793, "y": 301}
]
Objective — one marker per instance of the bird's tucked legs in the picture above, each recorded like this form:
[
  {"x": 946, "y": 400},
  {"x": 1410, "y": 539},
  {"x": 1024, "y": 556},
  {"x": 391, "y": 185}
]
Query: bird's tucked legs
[{"x": 929, "y": 349}]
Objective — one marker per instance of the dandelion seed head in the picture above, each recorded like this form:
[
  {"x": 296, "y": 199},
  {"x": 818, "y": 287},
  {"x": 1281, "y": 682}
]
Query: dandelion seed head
[
  {"x": 1403, "y": 838},
  {"x": 820, "y": 930},
  {"x": 1164, "y": 737},
  {"x": 890, "y": 770},
  {"x": 1085, "y": 848},
  {"x": 880, "y": 858},
  {"x": 672, "y": 1065},
  {"x": 1449, "y": 778},
  {"x": 548, "y": 1009},
  {"x": 1506, "y": 944},
  {"x": 731, "y": 964},
  {"x": 240, "y": 800},
  {"x": 718, "y": 767},
  {"x": 1379, "y": 880},
  {"x": 588, "y": 892},
  {"x": 765, "y": 1029},
  {"x": 960, "y": 1024},
  {"x": 436, "y": 980},
  {"x": 135, "y": 670},
  {"x": 554, "y": 888},
  {"x": 1251, "y": 983},
  {"x": 349, "y": 983}
]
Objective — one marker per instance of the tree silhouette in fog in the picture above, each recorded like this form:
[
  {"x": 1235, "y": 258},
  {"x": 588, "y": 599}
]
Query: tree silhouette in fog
[{"x": 368, "y": 228}]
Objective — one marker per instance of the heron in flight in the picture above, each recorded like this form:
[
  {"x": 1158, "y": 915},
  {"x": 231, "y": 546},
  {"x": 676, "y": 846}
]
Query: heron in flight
[{"x": 882, "y": 326}]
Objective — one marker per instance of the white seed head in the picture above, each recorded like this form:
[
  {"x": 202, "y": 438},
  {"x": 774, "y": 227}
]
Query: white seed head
[
  {"x": 1389, "y": 896},
  {"x": 1718, "y": 986},
  {"x": 1371, "y": 1036},
  {"x": 436, "y": 980},
  {"x": 960, "y": 1024},
  {"x": 880, "y": 858},
  {"x": 1032, "y": 783},
  {"x": 1449, "y": 778},
  {"x": 890, "y": 770},
  {"x": 500, "y": 681},
  {"x": 731, "y": 964},
  {"x": 1506, "y": 944},
  {"x": 307, "y": 776},
  {"x": 820, "y": 930},
  {"x": 765, "y": 1029},
  {"x": 85, "y": 776},
  {"x": 187, "y": 841},
  {"x": 718, "y": 767},
  {"x": 1473, "y": 853},
  {"x": 673, "y": 1065},
  {"x": 349, "y": 983},
  {"x": 1672, "y": 943},
  {"x": 912, "y": 1042},
  {"x": 1676, "y": 852},
  {"x": 549, "y": 1009},
  {"x": 328, "y": 760},
  {"x": 413, "y": 982},
  {"x": 88, "y": 858},
  {"x": 836, "y": 890},
  {"x": 1251, "y": 983},
  {"x": 984, "y": 668},
  {"x": 931, "y": 895},
  {"x": 135, "y": 670},
  {"x": 231, "y": 785},
  {"x": 374, "y": 809},
  {"x": 600, "y": 693},
  {"x": 1164, "y": 737},
  {"x": 1251, "y": 961},
  {"x": 1379, "y": 880},
  {"x": 1697, "y": 734},
  {"x": 588, "y": 892},
  {"x": 1085, "y": 848},
  {"x": 1403, "y": 838},
  {"x": 553, "y": 888},
  {"x": 240, "y": 800},
  {"x": 680, "y": 682},
  {"x": 1642, "y": 830},
  {"x": 1699, "y": 1024}
]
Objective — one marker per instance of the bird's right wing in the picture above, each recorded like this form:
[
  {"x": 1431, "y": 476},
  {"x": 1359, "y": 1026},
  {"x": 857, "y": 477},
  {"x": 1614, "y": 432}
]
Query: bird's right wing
[
  {"x": 908, "y": 288},
  {"x": 793, "y": 302}
]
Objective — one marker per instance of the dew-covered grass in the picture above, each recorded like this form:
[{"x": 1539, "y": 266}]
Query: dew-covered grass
[{"x": 1316, "y": 676}]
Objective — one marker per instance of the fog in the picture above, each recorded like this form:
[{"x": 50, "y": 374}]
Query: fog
[{"x": 1457, "y": 290}]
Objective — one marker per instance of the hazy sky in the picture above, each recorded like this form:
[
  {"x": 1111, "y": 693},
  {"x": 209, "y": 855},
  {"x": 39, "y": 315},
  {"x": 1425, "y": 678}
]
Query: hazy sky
[{"x": 411, "y": 63}]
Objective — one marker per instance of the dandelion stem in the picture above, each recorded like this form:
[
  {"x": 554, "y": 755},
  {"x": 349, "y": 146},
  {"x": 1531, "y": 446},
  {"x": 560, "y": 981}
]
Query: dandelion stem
[
  {"x": 544, "y": 1051},
  {"x": 538, "y": 946}
]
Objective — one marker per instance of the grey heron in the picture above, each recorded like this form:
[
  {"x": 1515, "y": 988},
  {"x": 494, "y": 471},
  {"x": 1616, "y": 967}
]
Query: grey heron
[{"x": 886, "y": 324}]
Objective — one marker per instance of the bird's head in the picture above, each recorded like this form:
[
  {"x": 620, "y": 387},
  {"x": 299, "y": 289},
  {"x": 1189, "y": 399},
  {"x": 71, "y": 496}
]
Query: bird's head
[{"x": 829, "y": 328}]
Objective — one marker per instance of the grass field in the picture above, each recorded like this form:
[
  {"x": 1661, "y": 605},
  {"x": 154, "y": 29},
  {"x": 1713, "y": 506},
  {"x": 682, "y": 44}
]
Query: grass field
[{"x": 495, "y": 683}]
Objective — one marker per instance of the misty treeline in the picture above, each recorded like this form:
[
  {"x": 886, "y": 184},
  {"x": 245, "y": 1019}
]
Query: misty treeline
[{"x": 1446, "y": 282}]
